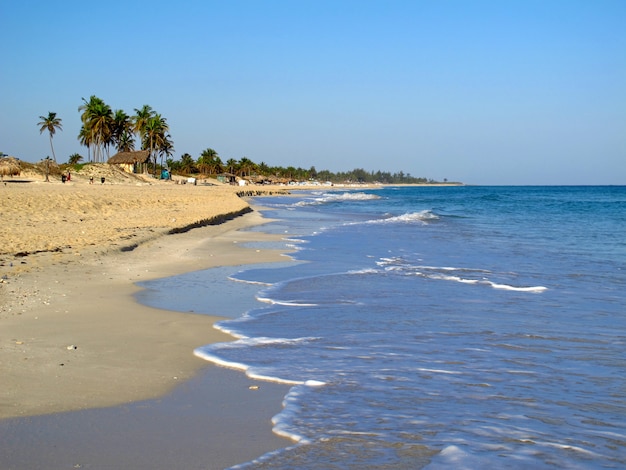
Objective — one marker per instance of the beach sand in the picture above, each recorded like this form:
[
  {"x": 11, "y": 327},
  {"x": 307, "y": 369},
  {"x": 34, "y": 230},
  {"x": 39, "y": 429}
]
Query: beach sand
[{"x": 73, "y": 338}]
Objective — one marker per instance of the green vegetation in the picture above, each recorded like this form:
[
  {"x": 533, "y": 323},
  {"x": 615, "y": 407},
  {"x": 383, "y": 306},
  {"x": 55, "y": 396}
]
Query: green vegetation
[
  {"x": 209, "y": 163},
  {"x": 50, "y": 123},
  {"x": 74, "y": 159},
  {"x": 103, "y": 128}
]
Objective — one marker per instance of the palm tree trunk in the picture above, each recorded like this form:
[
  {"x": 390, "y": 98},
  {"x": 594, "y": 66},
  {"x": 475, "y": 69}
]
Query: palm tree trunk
[{"x": 52, "y": 148}]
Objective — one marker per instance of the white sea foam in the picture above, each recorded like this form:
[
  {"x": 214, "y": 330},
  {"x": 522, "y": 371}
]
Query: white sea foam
[
  {"x": 203, "y": 354},
  {"x": 395, "y": 261},
  {"x": 314, "y": 383},
  {"x": 326, "y": 198},
  {"x": 267, "y": 300},
  {"x": 533, "y": 289},
  {"x": 291, "y": 408},
  {"x": 423, "y": 217},
  {"x": 450, "y": 273},
  {"x": 452, "y": 268},
  {"x": 229, "y": 331},
  {"x": 252, "y": 372},
  {"x": 295, "y": 240},
  {"x": 262, "y": 341},
  {"x": 453, "y": 456},
  {"x": 439, "y": 371},
  {"x": 451, "y": 278},
  {"x": 246, "y": 281},
  {"x": 363, "y": 271}
]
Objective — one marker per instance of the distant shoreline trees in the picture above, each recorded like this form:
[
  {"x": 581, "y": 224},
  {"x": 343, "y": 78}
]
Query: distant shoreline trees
[
  {"x": 103, "y": 128},
  {"x": 210, "y": 164}
]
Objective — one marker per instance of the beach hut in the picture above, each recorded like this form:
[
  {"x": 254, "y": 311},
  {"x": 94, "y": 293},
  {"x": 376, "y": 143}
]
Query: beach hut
[
  {"x": 9, "y": 166},
  {"x": 131, "y": 162},
  {"x": 227, "y": 178}
]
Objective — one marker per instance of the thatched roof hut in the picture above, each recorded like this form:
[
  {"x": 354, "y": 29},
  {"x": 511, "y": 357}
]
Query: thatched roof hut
[
  {"x": 9, "y": 166},
  {"x": 131, "y": 162},
  {"x": 227, "y": 178}
]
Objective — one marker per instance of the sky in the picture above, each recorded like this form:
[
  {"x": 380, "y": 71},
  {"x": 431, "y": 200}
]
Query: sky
[{"x": 483, "y": 92}]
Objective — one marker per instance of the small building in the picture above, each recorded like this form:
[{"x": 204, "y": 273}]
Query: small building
[
  {"x": 131, "y": 162},
  {"x": 227, "y": 178}
]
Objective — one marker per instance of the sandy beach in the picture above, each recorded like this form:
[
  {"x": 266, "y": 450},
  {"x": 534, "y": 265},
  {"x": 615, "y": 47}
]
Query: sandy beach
[{"x": 73, "y": 338}]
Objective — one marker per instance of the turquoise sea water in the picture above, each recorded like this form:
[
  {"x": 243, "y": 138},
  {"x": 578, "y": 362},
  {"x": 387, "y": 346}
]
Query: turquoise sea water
[{"x": 455, "y": 327}]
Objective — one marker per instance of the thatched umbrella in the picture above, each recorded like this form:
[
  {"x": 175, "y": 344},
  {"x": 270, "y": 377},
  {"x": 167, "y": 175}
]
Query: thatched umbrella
[{"x": 9, "y": 166}]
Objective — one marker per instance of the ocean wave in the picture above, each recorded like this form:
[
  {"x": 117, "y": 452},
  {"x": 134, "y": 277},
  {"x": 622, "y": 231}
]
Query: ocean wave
[
  {"x": 285, "y": 303},
  {"x": 364, "y": 271},
  {"x": 449, "y": 273},
  {"x": 533, "y": 289},
  {"x": 328, "y": 198},
  {"x": 247, "y": 281},
  {"x": 423, "y": 217},
  {"x": 486, "y": 282},
  {"x": 209, "y": 353}
]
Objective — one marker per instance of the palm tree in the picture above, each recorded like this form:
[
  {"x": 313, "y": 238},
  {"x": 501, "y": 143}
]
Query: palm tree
[
  {"x": 187, "y": 165},
  {"x": 172, "y": 164},
  {"x": 155, "y": 135},
  {"x": 231, "y": 165},
  {"x": 263, "y": 168},
  {"x": 50, "y": 123},
  {"x": 122, "y": 132},
  {"x": 126, "y": 142},
  {"x": 218, "y": 166},
  {"x": 140, "y": 120},
  {"x": 74, "y": 159},
  {"x": 97, "y": 129},
  {"x": 210, "y": 162},
  {"x": 166, "y": 149},
  {"x": 246, "y": 166},
  {"x": 84, "y": 137}
]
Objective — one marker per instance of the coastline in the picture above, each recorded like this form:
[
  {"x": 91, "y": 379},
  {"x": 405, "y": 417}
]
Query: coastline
[{"x": 74, "y": 338}]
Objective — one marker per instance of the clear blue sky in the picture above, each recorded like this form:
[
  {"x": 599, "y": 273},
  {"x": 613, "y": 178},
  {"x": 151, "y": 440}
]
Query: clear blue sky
[{"x": 484, "y": 92}]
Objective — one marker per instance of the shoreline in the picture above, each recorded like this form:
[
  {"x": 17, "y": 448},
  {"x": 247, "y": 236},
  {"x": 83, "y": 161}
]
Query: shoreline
[
  {"x": 75, "y": 340},
  {"x": 83, "y": 338}
]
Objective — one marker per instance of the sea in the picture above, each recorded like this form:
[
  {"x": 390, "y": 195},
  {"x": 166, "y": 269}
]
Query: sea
[{"x": 463, "y": 327}]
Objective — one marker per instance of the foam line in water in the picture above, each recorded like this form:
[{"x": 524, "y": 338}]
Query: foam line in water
[
  {"x": 203, "y": 354},
  {"x": 396, "y": 264},
  {"x": 224, "y": 329},
  {"x": 535, "y": 289},
  {"x": 410, "y": 217},
  {"x": 327, "y": 198},
  {"x": 245, "y": 281},
  {"x": 285, "y": 303},
  {"x": 439, "y": 371},
  {"x": 442, "y": 277}
]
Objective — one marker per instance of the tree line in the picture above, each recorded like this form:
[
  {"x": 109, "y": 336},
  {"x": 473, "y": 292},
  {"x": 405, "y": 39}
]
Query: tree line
[
  {"x": 104, "y": 128},
  {"x": 210, "y": 163}
]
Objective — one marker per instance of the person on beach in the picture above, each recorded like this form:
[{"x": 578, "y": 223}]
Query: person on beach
[
  {"x": 69, "y": 176},
  {"x": 91, "y": 180}
]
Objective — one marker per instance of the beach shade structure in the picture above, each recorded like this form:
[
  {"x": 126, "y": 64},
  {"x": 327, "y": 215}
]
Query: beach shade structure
[
  {"x": 9, "y": 166},
  {"x": 131, "y": 162}
]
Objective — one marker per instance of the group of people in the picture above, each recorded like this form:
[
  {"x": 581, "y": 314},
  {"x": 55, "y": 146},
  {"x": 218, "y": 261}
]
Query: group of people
[{"x": 68, "y": 177}]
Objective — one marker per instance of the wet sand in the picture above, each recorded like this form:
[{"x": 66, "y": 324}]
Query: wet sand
[{"x": 73, "y": 338}]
